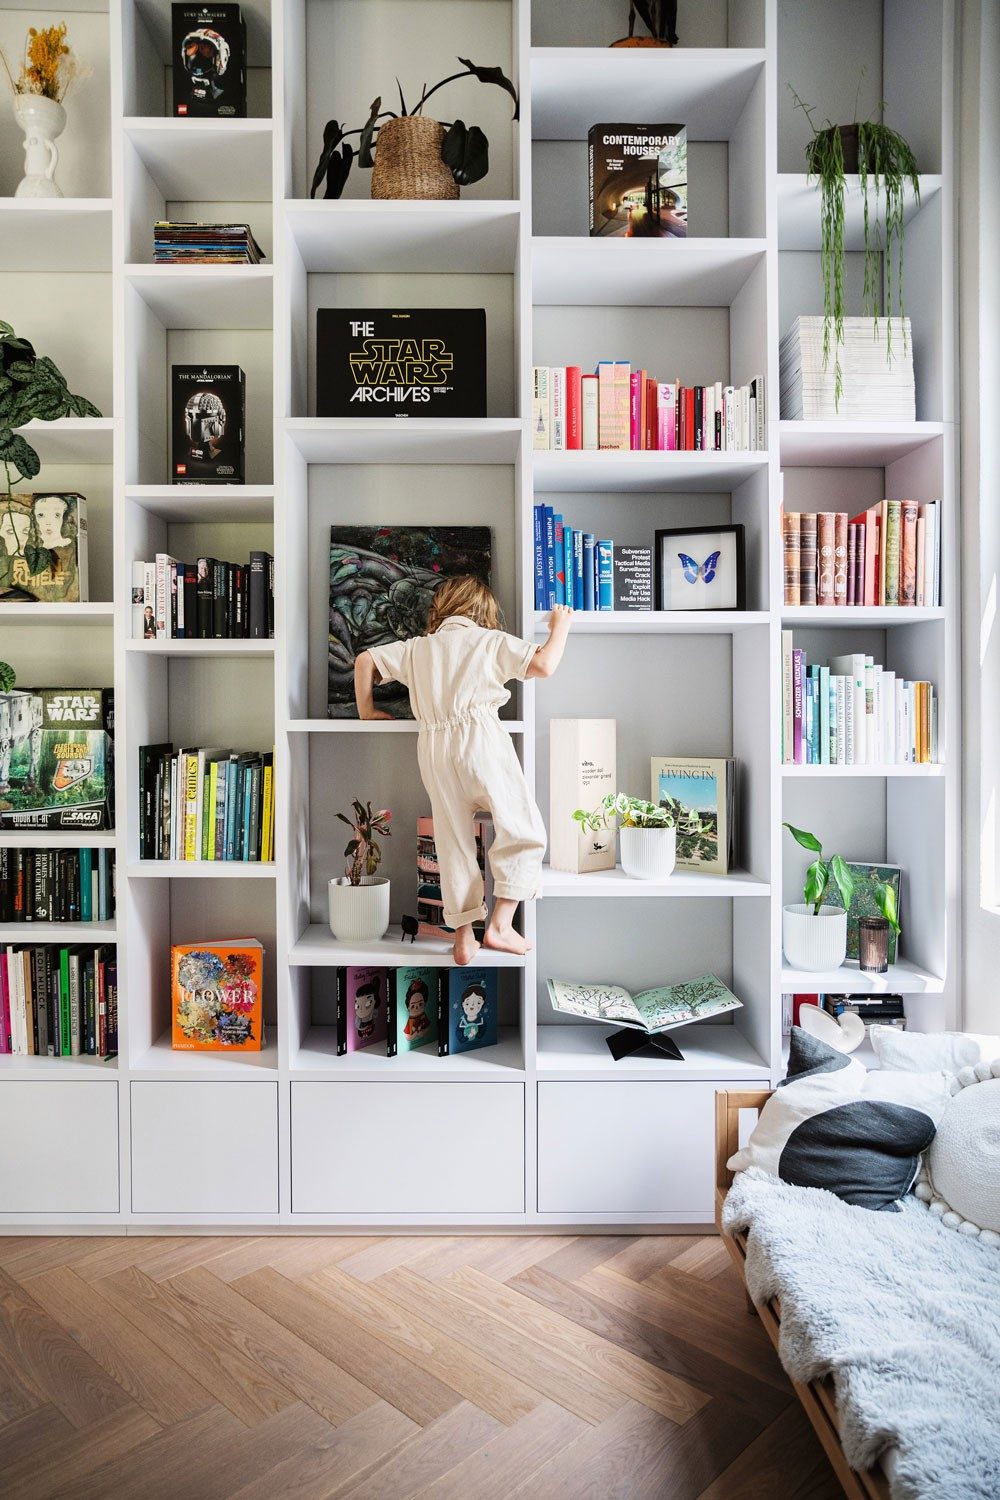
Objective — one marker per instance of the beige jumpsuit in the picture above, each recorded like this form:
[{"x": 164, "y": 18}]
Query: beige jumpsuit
[{"x": 456, "y": 680}]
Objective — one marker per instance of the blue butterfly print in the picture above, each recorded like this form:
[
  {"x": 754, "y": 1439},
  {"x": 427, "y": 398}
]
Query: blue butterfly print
[{"x": 692, "y": 572}]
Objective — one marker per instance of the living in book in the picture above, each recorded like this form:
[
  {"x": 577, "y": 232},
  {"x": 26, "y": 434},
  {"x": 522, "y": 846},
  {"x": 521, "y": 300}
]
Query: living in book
[
  {"x": 853, "y": 711},
  {"x": 626, "y": 409}
]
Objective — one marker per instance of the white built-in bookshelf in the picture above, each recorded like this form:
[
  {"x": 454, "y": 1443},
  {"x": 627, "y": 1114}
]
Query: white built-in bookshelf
[{"x": 545, "y": 1129}]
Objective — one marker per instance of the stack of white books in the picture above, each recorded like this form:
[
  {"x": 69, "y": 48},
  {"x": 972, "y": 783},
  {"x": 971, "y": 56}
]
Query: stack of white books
[{"x": 877, "y": 384}]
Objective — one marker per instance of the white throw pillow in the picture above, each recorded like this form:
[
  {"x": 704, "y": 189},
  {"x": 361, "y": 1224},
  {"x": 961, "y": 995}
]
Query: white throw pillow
[
  {"x": 924, "y": 1051},
  {"x": 960, "y": 1175}
]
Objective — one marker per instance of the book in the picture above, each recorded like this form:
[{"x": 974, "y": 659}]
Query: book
[
  {"x": 414, "y": 1004},
  {"x": 638, "y": 180},
  {"x": 867, "y": 877},
  {"x": 605, "y": 564},
  {"x": 208, "y": 418},
  {"x": 807, "y": 557},
  {"x": 876, "y": 384},
  {"x": 430, "y": 907},
  {"x": 653, "y": 1010},
  {"x": 589, "y": 407},
  {"x": 791, "y": 548},
  {"x": 632, "y": 578},
  {"x": 541, "y": 432},
  {"x": 701, "y": 793},
  {"x": 362, "y": 1008},
  {"x": 840, "y": 524},
  {"x": 574, "y": 407},
  {"x": 471, "y": 1019},
  {"x": 44, "y": 556},
  {"x": 177, "y": 243},
  {"x": 582, "y": 771},
  {"x": 216, "y": 996},
  {"x": 557, "y": 408},
  {"x": 209, "y": 54},
  {"x": 401, "y": 362}
]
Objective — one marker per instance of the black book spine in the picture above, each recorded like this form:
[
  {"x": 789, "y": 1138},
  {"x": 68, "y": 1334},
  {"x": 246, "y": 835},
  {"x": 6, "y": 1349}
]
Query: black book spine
[
  {"x": 253, "y": 851},
  {"x": 258, "y": 595},
  {"x": 239, "y": 628},
  {"x": 444, "y": 1045},
  {"x": 41, "y": 906},
  {"x": 699, "y": 404},
  {"x": 230, "y": 600},
  {"x": 6, "y": 890},
  {"x": 341, "y": 1012},
  {"x": 203, "y": 597},
  {"x": 270, "y": 596},
  {"x": 19, "y": 885},
  {"x": 190, "y": 600},
  {"x": 391, "y": 1022},
  {"x": 219, "y": 601},
  {"x": 29, "y": 885}
]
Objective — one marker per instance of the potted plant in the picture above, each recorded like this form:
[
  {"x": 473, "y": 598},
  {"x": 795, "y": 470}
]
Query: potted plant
[
  {"x": 885, "y": 164},
  {"x": 873, "y": 932},
  {"x": 359, "y": 899},
  {"x": 659, "y": 16},
  {"x": 411, "y": 155},
  {"x": 46, "y": 72},
  {"x": 647, "y": 837},
  {"x": 814, "y": 935}
]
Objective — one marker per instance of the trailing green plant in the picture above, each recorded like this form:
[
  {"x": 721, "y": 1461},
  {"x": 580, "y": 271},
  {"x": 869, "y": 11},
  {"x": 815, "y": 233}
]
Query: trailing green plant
[
  {"x": 464, "y": 149},
  {"x": 31, "y": 388},
  {"x": 887, "y": 165},
  {"x": 821, "y": 871},
  {"x": 885, "y": 900},
  {"x": 363, "y": 851},
  {"x": 621, "y": 810}
]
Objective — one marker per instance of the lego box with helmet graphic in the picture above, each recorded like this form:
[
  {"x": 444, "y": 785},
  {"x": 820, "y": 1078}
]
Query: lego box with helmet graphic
[
  {"x": 207, "y": 424},
  {"x": 209, "y": 60}
]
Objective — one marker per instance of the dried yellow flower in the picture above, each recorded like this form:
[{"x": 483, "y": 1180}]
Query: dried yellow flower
[{"x": 49, "y": 66}]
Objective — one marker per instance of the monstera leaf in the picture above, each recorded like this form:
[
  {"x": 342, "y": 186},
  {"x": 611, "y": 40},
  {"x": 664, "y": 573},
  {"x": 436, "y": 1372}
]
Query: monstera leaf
[{"x": 466, "y": 152}]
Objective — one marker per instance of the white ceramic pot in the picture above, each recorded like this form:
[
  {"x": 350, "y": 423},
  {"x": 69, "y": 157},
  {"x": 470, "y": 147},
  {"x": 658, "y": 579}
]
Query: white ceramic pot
[
  {"x": 814, "y": 941},
  {"x": 358, "y": 913},
  {"x": 41, "y": 120},
  {"x": 647, "y": 853}
]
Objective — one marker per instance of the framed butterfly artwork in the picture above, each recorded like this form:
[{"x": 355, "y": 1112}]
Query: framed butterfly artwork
[{"x": 701, "y": 567}]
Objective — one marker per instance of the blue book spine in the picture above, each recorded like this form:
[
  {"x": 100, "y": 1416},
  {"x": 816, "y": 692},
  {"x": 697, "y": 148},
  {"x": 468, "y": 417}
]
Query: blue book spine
[
  {"x": 568, "y": 535},
  {"x": 588, "y": 569},
  {"x": 824, "y": 715},
  {"x": 816, "y": 718},
  {"x": 539, "y": 557},
  {"x": 247, "y": 811},
  {"x": 230, "y": 809},
  {"x": 578, "y": 570},
  {"x": 605, "y": 575},
  {"x": 550, "y": 558},
  {"x": 560, "y": 557},
  {"x": 86, "y": 876}
]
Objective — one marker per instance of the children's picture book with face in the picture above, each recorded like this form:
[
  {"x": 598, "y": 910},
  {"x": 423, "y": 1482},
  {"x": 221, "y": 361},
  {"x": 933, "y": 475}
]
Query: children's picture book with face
[
  {"x": 413, "y": 1008},
  {"x": 362, "y": 995},
  {"x": 43, "y": 548},
  {"x": 472, "y": 1020},
  {"x": 382, "y": 579},
  {"x": 216, "y": 993}
]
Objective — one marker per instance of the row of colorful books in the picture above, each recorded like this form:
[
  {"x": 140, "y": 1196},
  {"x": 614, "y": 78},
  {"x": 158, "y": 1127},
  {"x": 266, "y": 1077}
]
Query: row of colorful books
[
  {"x": 58, "y": 1001},
  {"x": 198, "y": 804},
  {"x": 623, "y": 408},
  {"x": 57, "y": 759},
  {"x": 401, "y": 1009},
  {"x": 890, "y": 554},
  {"x": 874, "y": 1010},
  {"x": 586, "y": 572},
  {"x": 208, "y": 600},
  {"x": 853, "y": 712},
  {"x": 57, "y": 885},
  {"x": 176, "y": 243}
]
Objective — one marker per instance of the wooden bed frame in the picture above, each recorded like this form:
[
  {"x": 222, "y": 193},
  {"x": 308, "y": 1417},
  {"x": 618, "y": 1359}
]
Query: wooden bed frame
[{"x": 817, "y": 1397}]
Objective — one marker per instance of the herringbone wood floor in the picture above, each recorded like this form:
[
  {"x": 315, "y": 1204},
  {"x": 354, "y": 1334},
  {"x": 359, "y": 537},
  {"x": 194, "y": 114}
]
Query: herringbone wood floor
[{"x": 528, "y": 1369}]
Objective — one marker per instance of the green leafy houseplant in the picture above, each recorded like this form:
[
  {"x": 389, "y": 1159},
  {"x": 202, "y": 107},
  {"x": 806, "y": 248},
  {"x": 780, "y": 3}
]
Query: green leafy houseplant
[
  {"x": 885, "y": 900},
  {"x": 464, "y": 150},
  {"x": 885, "y": 166},
  {"x": 620, "y": 810},
  {"x": 647, "y": 840},
  {"x": 821, "y": 871},
  {"x": 363, "y": 851},
  {"x": 31, "y": 388}
]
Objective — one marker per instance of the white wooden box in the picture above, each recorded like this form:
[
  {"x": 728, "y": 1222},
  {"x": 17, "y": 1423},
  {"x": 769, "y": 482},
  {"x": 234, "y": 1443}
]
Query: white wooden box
[
  {"x": 407, "y": 1148},
  {"x": 204, "y": 1148},
  {"x": 581, "y": 772},
  {"x": 60, "y": 1147}
]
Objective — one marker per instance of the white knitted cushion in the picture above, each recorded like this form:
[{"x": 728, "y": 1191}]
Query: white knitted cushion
[{"x": 960, "y": 1176}]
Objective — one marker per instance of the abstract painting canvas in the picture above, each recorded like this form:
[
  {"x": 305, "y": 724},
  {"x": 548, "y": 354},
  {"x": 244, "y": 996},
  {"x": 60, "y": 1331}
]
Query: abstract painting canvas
[{"x": 381, "y": 582}]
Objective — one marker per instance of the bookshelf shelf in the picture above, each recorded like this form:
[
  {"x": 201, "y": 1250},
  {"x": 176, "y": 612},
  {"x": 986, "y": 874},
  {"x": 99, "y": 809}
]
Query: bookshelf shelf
[
  {"x": 62, "y": 1068},
  {"x": 710, "y": 1053},
  {"x": 318, "y": 946},
  {"x": 373, "y": 726},
  {"x": 856, "y": 773},
  {"x": 568, "y": 270},
  {"x": 660, "y": 622},
  {"x": 63, "y": 614},
  {"x": 318, "y": 1054},
  {"x": 56, "y": 234},
  {"x": 59, "y": 838},
  {"x": 886, "y": 618},
  {"x": 434, "y": 440},
  {"x": 72, "y": 440},
  {"x": 200, "y": 869},
  {"x": 160, "y": 1060},
  {"x": 799, "y": 210},
  {"x": 682, "y": 885},
  {"x": 236, "y": 647},
  {"x": 204, "y": 503},
  {"x": 644, "y": 473},
  {"x": 57, "y": 932},
  {"x": 355, "y": 235},
  {"x": 902, "y": 978},
  {"x": 174, "y": 153},
  {"x": 846, "y": 444},
  {"x": 205, "y": 296}
]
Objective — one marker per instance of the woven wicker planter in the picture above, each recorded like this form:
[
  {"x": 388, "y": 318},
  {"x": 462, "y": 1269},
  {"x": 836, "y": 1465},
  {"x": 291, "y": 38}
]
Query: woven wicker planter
[{"x": 408, "y": 161}]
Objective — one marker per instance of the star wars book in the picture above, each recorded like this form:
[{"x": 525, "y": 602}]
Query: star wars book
[
  {"x": 469, "y": 1017},
  {"x": 401, "y": 362},
  {"x": 208, "y": 418},
  {"x": 414, "y": 1001},
  {"x": 216, "y": 991},
  {"x": 638, "y": 181},
  {"x": 209, "y": 61},
  {"x": 362, "y": 994},
  {"x": 56, "y": 760},
  {"x": 43, "y": 548}
]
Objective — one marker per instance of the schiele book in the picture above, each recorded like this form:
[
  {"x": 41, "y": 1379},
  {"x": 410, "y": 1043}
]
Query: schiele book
[
  {"x": 469, "y": 1012},
  {"x": 702, "y": 795},
  {"x": 44, "y": 556},
  {"x": 361, "y": 1008},
  {"x": 638, "y": 181},
  {"x": 652, "y": 1010},
  {"x": 415, "y": 999},
  {"x": 401, "y": 362},
  {"x": 216, "y": 993},
  {"x": 208, "y": 418},
  {"x": 209, "y": 61}
]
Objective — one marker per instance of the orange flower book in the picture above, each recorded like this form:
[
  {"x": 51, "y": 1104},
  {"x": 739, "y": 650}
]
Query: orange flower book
[{"x": 216, "y": 992}]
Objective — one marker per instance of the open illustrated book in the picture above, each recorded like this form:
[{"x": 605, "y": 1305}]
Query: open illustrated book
[{"x": 651, "y": 1011}]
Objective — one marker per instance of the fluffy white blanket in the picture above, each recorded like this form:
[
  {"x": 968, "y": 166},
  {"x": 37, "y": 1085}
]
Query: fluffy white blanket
[{"x": 903, "y": 1313}]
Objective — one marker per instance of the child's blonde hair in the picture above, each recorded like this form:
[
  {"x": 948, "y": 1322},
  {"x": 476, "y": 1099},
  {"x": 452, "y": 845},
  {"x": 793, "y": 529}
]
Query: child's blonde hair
[{"x": 466, "y": 596}]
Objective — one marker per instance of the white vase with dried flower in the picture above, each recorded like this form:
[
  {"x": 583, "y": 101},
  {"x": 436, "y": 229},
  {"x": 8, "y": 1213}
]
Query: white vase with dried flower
[{"x": 46, "y": 72}]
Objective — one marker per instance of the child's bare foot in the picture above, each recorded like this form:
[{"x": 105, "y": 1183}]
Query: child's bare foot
[
  {"x": 465, "y": 947},
  {"x": 505, "y": 938}
]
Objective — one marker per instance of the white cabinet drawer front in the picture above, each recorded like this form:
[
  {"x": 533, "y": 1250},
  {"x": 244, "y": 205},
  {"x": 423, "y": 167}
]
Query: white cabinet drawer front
[
  {"x": 422, "y": 1148},
  {"x": 626, "y": 1148},
  {"x": 205, "y": 1148},
  {"x": 59, "y": 1151}
]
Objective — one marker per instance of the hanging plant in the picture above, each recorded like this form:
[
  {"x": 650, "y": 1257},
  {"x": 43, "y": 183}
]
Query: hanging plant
[{"x": 886, "y": 167}]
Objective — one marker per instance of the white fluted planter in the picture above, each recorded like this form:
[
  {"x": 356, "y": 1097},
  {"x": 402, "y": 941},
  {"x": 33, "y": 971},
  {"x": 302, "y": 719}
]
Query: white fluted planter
[
  {"x": 814, "y": 941},
  {"x": 41, "y": 120},
  {"x": 647, "y": 853},
  {"x": 358, "y": 913}
]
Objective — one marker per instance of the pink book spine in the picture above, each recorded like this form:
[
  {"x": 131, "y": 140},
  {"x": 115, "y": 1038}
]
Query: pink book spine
[
  {"x": 574, "y": 406},
  {"x": 798, "y": 671},
  {"x": 4, "y": 1005},
  {"x": 669, "y": 437},
  {"x": 635, "y": 410}
]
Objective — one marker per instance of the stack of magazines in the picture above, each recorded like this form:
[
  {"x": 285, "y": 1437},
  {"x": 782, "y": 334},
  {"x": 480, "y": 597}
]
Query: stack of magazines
[
  {"x": 205, "y": 244},
  {"x": 876, "y": 366}
]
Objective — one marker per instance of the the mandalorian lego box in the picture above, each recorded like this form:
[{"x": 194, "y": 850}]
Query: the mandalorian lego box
[{"x": 207, "y": 424}]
